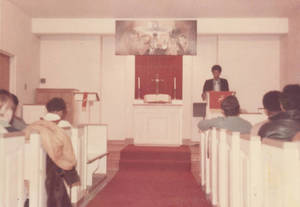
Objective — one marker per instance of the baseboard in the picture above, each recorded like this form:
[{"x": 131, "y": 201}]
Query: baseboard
[{"x": 190, "y": 142}]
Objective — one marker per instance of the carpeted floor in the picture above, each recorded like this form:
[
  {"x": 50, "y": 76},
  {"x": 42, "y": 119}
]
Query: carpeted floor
[{"x": 152, "y": 177}]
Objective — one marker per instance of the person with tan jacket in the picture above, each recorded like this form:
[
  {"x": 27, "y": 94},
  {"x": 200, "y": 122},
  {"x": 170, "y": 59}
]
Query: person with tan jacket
[{"x": 60, "y": 161}]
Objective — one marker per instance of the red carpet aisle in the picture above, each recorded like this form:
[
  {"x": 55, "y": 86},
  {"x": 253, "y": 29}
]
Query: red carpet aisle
[{"x": 152, "y": 177}]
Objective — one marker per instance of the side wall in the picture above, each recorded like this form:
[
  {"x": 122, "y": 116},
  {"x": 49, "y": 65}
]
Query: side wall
[
  {"x": 71, "y": 61},
  {"x": 292, "y": 70},
  {"x": 17, "y": 40}
]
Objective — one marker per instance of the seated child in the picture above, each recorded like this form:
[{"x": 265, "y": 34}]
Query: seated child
[{"x": 57, "y": 111}]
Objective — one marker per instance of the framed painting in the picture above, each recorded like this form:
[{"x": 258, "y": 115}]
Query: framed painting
[{"x": 156, "y": 37}]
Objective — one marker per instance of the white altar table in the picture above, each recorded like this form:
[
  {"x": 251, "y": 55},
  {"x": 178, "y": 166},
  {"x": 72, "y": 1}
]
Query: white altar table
[{"x": 158, "y": 124}]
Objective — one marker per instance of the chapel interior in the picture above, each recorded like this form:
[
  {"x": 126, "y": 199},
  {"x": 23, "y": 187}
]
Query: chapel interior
[{"x": 140, "y": 106}]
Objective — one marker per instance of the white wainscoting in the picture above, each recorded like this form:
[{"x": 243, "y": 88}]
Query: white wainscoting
[{"x": 158, "y": 124}]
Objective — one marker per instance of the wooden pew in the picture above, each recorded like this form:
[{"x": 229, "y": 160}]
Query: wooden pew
[
  {"x": 22, "y": 162},
  {"x": 12, "y": 169},
  {"x": 250, "y": 168},
  {"x": 35, "y": 171},
  {"x": 26, "y": 161},
  {"x": 281, "y": 170},
  {"x": 33, "y": 112},
  {"x": 245, "y": 172},
  {"x": 223, "y": 146},
  {"x": 90, "y": 148},
  {"x": 97, "y": 150},
  {"x": 78, "y": 139}
]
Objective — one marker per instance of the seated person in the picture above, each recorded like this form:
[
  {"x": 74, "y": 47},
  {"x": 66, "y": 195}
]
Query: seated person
[
  {"x": 272, "y": 107},
  {"x": 17, "y": 122},
  {"x": 215, "y": 84},
  {"x": 7, "y": 107},
  {"x": 231, "y": 121},
  {"x": 57, "y": 111},
  {"x": 6, "y": 112},
  {"x": 285, "y": 124}
]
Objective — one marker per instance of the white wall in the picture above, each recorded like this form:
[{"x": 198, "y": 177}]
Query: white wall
[
  {"x": 250, "y": 63},
  {"x": 292, "y": 68},
  {"x": 118, "y": 91},
  {"x": 17, "y": 41},
  {"x": 71, "y": 62}
]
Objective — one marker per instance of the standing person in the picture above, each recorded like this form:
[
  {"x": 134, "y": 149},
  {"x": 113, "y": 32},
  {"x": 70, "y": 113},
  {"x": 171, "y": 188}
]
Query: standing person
[
  {"x": 231, "y": 108},
  {"x": 285, "y": 124},
  {"x": 272, "y": 107},
  {"x": 215, "y": 84}
]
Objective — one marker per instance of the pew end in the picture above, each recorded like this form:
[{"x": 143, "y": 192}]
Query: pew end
[{"x": 12, "y": 175}]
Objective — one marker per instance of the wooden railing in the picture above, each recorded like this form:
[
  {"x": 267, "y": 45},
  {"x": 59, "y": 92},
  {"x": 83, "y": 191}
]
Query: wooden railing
[{"x": 241, "y": 171}]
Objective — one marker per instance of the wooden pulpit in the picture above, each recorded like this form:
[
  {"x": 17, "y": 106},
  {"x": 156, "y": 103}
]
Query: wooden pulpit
[{"x": 216, "y": 97}]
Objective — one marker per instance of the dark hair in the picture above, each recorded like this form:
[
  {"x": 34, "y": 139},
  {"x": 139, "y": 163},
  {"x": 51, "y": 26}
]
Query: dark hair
[
  {"x": 3, "y": 91},
  {"x": 15, "y": 99},
  {"x": 56, "y": 104},
  {"x": 216, "y": 67},
  {"x": 271, "y": 101},
  {"x": 6, "y": 98},
  {"x": 230, "y": 106},
  {"x": 290, "y": 97}
]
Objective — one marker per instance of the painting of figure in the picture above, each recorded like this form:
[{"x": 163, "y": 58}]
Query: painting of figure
[{"x": 156, "y": 37}]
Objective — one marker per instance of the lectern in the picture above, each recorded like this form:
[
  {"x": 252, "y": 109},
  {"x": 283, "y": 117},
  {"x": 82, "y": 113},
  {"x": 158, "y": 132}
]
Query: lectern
[
  {"x": 86, "y": 108},
  {"x": 214, "y": 100}
]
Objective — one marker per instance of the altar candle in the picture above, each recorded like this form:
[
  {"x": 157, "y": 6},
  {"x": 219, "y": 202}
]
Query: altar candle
[
  {"x": 139, "y": 83},
  {"x": 175, "y": 83}
]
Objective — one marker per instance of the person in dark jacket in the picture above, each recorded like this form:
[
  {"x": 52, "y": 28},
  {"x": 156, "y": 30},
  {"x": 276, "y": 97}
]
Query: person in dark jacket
[
  {"x": 285, "y": 124},
  {"x": 215, "y": 84},
  {"x": 272, "y": 107}
]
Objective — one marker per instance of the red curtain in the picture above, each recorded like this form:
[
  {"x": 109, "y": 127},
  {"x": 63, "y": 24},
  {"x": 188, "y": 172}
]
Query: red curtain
[{"x": 167, "y": 68}]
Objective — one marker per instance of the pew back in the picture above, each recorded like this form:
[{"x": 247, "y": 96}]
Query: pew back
[
  {"x": 12, "y": 170},
  {"x": 97, "y": 146},
  {"x": 239, "y": 170},
  {"x": 22, "y": 160},
  {"x": 281, "y": 170},
  {"x": 35, "y": 166}
]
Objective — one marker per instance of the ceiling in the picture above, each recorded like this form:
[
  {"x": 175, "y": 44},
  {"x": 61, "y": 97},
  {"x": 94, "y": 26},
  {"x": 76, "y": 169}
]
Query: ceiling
[{"x": 156, "y": 8}]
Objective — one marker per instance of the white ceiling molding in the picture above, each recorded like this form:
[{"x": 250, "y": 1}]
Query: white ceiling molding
[{"x": 48, "y": 26}]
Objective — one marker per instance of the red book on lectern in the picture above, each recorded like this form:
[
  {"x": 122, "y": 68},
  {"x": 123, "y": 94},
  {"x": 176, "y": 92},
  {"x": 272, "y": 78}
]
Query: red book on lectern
[{"x": 216, "y": 97}]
